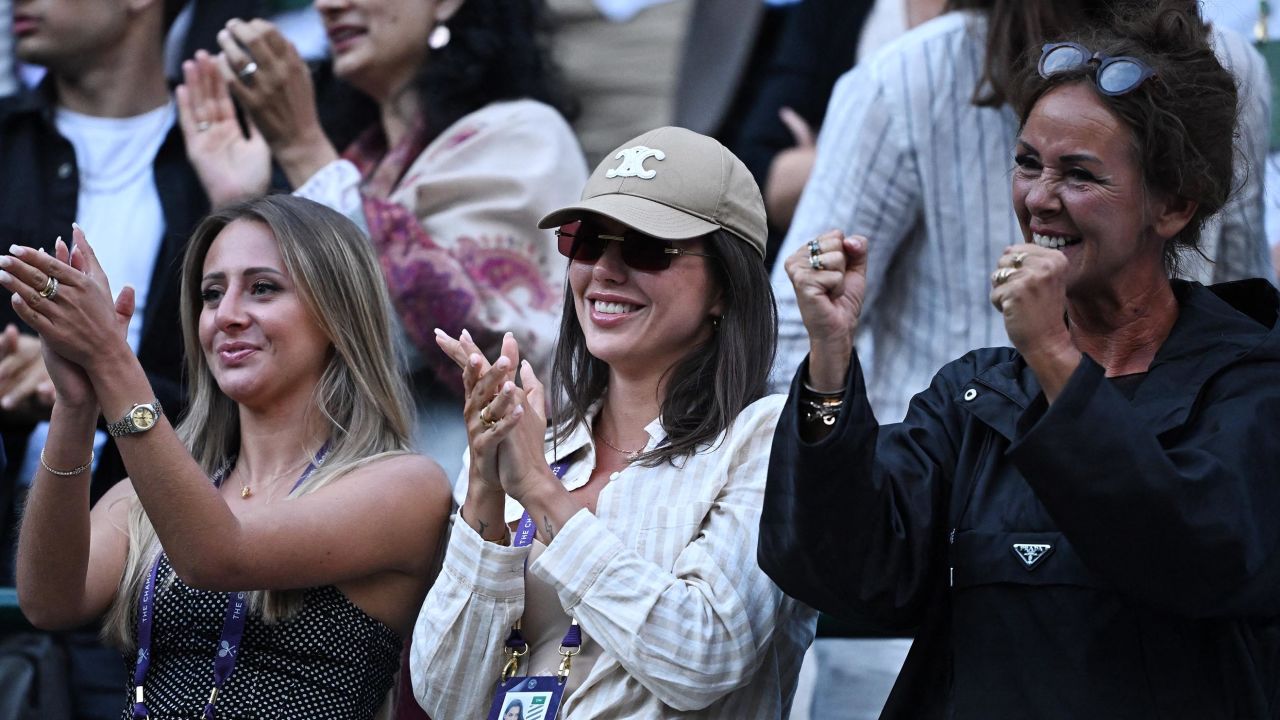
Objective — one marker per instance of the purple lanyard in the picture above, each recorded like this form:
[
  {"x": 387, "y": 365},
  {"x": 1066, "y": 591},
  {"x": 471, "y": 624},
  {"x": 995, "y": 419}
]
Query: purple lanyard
[
  {"x": 232, "y": 623},
  {"x": 525, "y": 533}
]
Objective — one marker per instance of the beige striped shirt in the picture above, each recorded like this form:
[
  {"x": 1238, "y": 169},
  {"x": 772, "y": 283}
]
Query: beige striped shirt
[{"x": 663, "y": 577}]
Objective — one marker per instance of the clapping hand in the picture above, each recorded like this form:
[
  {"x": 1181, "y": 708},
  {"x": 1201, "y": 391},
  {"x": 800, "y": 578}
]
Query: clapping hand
[
  {"x": 66, "y": 298},
  {"x": 481, "y": 382},
  {"x": 231, "y": 166},
  {"x": 271, "y": 81}
]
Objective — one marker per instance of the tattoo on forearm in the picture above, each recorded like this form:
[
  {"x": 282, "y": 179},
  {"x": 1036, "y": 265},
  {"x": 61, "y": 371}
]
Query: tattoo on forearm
[
  {"x": 548, "y": 530},
  {"x": 481, "y": 526}
]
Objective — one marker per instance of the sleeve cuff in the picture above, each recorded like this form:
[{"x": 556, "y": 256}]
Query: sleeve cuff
[
  {"x": 1070, "y": 406},
  {"x": 336, "y": 185},
  {"x": 576, "y": 557},
  {"x": 482, "y": 567}
]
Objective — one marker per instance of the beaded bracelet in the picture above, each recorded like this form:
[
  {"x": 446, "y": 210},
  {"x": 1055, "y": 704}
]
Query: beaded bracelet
[{"x": 66, "y": 473}]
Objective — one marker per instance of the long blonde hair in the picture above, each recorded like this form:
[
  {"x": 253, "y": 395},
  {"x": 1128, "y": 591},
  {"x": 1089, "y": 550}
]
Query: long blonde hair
[{"x": 361, "y": 395}]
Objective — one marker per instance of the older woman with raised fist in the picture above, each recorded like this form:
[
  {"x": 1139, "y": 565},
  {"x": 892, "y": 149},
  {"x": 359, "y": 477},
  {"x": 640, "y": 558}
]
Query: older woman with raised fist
[{"x": 1081, "y": 525}]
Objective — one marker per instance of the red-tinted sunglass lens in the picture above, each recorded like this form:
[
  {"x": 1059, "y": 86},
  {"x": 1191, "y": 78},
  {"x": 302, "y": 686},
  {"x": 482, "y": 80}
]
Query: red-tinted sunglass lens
[{"x": 646, "y": 255}]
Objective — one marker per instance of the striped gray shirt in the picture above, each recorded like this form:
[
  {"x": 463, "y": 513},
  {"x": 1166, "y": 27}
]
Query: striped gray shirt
[
  {"x": 662, "y": 578},
  {"x": 907, "y": 160}
]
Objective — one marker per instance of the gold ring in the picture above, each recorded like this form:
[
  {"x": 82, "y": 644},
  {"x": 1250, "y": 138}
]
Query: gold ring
[
  {"x": 50, "y": 287},
  {"x": 1003, "y": 274},
  {"x": 1017, "y": 259},
  {"x": 486, "y": 417}
]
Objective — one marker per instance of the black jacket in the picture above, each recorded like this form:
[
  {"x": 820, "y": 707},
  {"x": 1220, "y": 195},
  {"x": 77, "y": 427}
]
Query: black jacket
[
  {"x": 1103, "y": 557},
  {"x": 38, "y": 193}
]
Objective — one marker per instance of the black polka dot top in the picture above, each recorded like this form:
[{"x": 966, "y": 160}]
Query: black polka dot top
[{"x": 331, "y": 660}]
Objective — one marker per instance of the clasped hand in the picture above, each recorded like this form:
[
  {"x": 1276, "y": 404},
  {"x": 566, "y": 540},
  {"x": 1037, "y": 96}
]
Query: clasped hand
[
  {"x": 506, "y": 422},
  {"x": 66, "y": 298}
]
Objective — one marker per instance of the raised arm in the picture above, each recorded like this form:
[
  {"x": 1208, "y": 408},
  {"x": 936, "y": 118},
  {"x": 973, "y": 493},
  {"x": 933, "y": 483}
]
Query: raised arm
[
  {"x": 864, "y": 182},
  {"x": 69, "y": 560}
]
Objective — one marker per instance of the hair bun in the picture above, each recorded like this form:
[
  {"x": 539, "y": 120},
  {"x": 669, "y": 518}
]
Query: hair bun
[{"x": 1163, "y": 26}]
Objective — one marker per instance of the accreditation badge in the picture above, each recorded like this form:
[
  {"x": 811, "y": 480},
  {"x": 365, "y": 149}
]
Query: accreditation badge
[{"x": 527, "y": 698}]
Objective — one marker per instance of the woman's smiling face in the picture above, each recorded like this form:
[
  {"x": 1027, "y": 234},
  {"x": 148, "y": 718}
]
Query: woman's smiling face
[
  {"x": 259, "y": 339},
  {"x": 641, "y": 321},
  {"x": 1078, "y": 187}
]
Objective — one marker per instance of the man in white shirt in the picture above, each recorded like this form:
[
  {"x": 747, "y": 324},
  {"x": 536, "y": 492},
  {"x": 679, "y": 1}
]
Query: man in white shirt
[{"x": 95, "y": 143}]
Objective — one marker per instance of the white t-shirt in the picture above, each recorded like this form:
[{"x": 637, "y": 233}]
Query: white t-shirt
[{"x": 118, "y": 207}]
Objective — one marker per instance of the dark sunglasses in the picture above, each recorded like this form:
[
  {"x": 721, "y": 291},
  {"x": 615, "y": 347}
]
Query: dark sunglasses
[
  {"x": 584, "y": 242},
  {"x": 1113, "y": 75}
]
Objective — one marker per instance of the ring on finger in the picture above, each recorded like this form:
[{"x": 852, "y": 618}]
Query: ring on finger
[
  {"x": 246, "y": 73},
  {"x": 50, "y": 288},
  {"x": 203, "y": 125},
  {"x": 814, "y": 247},
  {"x": 815, "y": 262},
  {"x": 1003, "y": 275},
  {"x": 486, "y": 417},
  {"x": 1017, "y": 259}
]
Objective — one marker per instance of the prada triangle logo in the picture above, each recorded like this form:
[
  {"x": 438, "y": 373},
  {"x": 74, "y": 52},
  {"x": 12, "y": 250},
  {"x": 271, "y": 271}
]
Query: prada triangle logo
[{"x": 1031, "y": 554}]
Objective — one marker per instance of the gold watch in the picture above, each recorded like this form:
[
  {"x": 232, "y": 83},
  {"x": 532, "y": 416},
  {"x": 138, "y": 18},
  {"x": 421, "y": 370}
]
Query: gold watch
[{"x": 140, "y": 418}]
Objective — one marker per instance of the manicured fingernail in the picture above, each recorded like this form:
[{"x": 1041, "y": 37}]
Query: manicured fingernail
[
  {"x": 502, "y": 363},
  {"x": 518, "y": 412},
  {"x": 76, "y": 226},
  {"x": 440, "y": 333},
  {"x": 5, "y": 261},
  {"x": 42, "y": 252},
  {"x": 7, "y": 402},
  {"x": 465, "y": 334},
  {"x": 474, "y": 359},
  {"x": 16, "y": 249},
  {"x": 508, "y": 387},
  {"x": 5, "y": 277}
]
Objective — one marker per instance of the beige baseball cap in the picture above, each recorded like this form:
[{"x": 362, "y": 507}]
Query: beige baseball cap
[{"x": 673, "y": 184}]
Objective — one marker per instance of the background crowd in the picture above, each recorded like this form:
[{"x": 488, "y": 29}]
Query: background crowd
[{"x": 444, "y": 132}]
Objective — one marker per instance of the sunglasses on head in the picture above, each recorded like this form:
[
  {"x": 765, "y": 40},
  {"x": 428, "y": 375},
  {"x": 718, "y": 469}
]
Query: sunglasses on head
[
  {"x": 1113, "y": 75},
  {"x": 584, "y": 242}
]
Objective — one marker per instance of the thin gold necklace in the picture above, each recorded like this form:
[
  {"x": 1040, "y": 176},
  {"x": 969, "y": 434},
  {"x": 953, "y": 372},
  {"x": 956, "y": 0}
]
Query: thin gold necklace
[{"x": 630, "y": 455}]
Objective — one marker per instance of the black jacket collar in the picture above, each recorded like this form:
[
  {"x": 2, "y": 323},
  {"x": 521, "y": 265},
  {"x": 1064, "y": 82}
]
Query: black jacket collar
[{"x": 1216, "y": 326}]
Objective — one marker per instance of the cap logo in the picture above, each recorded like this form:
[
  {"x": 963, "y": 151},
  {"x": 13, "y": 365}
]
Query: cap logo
[{"x": 633, "y": 162}]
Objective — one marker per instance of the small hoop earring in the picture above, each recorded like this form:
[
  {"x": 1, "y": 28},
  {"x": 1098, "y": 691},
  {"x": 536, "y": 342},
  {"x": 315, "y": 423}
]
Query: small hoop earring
[
  {"x": 439, "y": 37},
  {"x": 715, "y": 322}
]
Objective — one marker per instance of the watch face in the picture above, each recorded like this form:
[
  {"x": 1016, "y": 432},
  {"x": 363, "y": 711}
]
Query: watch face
[{"x": 143, "y": 417}]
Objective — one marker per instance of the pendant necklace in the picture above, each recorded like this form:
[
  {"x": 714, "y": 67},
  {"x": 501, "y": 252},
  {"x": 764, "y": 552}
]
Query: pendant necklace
[{"x": 246, "y": 491}]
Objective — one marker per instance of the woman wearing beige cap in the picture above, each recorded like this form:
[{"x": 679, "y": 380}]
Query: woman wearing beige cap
[{"x": 630, "y": 580}]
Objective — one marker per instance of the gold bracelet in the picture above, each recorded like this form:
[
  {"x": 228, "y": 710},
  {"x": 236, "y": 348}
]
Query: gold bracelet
[{"x": 66, "y": 473}]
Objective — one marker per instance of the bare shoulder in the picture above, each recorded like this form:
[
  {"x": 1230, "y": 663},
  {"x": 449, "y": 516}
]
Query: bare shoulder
[{"x": 406, "y": 476}]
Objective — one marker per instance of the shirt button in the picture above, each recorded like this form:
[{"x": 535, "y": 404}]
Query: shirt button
[
  {"x": 64, "y": 171},
  {"x": 970, "y": 394}
]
